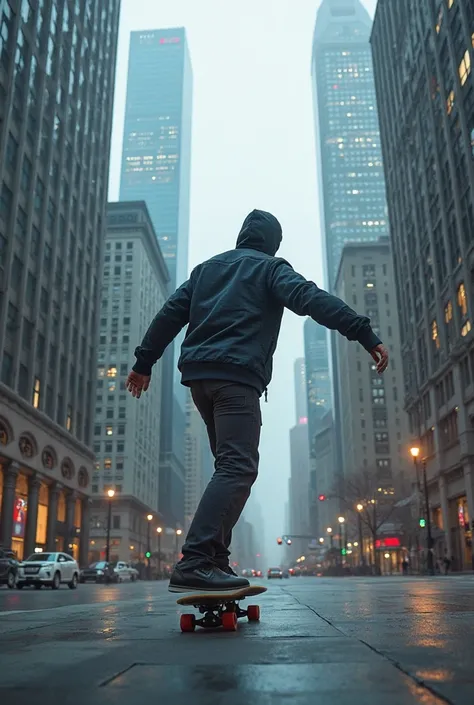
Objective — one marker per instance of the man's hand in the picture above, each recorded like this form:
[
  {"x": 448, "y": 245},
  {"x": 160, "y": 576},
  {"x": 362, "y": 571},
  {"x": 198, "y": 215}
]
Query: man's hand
[
  {"x": 136, "y": 384},
  {"x": 380, "y": 355}
]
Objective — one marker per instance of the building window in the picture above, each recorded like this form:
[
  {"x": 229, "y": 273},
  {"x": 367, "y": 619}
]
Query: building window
[
  {"x": 109, "y": 431},
  {"x": 69, "y": 419},
  {"x": 116, "y": 522},
  {"x": 450, "y": 103},
  {"x": 97, "y": 430},
  {"x": 462, "y": 299},
  {"x": 465, "y": 67},
  {"x": 121, "y": 430},
  {"x": 108, "y": 463},
  {"x": 466, "y": 328},
  {"x": 112, "y": 371},
  {"x": 435, "y": 334},
  {"x": 36, "y": 393},
  {"x": 448, "y": 430}
]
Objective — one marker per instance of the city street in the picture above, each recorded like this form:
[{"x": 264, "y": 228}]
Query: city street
[{"x": 390, "y": 641}]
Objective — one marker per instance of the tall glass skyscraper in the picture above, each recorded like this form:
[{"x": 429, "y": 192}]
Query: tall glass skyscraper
[
  {"x": 156, "y": 164},
  {"x": 351, "y": 179},
  {"x": 156, "y": 159}
]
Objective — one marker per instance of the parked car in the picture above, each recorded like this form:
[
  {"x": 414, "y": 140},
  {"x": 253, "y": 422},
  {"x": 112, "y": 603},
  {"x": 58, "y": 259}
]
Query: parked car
[
  {"x": 8, "y": 567},
  {"x": 99, "y": 572},
  {"x": 274, "y": 573},
  {"x": 51, "y": 569}
]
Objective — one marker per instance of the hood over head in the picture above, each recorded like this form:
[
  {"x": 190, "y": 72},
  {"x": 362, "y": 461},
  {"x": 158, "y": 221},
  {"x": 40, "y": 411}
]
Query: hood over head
[{"x": 261, "y": 231}]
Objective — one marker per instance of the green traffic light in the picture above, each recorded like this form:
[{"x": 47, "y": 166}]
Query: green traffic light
[
  {"x": 422, "y": 523},
  {"x": 147, "y": 554},
  {"x": 343, "y": 551}
]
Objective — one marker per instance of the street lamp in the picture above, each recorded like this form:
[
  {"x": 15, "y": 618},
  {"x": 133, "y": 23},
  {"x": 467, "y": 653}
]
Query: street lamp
[
  {"x": 178, "y": 534},
  {"x": 360, "y": 508},
  {"x": 110, "y": 495},
  {"x": 321, "y": 540},
  {"x": 415, "y": 452},
  {"x": 148, "y": 551},
  {"x": 159, "y": 532},
  {"x": 342, "y": 546}
]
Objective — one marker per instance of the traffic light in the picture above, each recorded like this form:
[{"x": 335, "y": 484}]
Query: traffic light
[
  {"x": 322, "y": 497},
  {"x": 422, "y": 523},
  {"x": 148, "y": 554},
  {"x": 279, "y": 541},
  {"x": 343, "y": 551}
]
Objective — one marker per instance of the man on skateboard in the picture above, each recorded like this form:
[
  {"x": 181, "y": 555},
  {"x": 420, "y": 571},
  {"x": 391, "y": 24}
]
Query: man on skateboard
[{"x": 233, "y": 305}]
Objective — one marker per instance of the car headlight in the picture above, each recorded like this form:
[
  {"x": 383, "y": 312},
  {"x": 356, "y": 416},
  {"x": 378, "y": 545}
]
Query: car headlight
[{"x": 100, "y": 572}]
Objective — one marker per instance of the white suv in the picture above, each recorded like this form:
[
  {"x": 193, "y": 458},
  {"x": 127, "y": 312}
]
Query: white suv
[{"x": 48, "y": 569}]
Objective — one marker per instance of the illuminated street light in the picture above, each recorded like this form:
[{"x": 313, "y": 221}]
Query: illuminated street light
[
  {"x": 360, "y": 507},
  {"x": 321, "y": 540},
  {"x": 341, "y": 520},
  {"x": 149, "y": 517},
  {"x": 356, "y": 543},
  {"x": 110, "y": 493},
  {"x": 415, "y": 451},
  {"x": 329, "y": 530}
]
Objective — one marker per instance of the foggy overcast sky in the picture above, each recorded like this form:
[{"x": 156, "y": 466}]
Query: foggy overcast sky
[{"x": 253, "y": 147}]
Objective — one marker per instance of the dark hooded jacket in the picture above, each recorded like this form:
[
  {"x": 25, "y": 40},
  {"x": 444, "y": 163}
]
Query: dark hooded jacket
[{"x": 233, "y": 305}]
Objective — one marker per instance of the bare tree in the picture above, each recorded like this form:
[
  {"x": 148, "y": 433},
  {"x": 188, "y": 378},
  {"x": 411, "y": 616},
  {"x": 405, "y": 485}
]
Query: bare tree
[{"x": 371, "y": 499}]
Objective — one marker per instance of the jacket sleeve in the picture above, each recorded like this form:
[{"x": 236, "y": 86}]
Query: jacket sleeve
[
  {"x": 304, "y": 298},
  {"x": 163, "y": 329}
]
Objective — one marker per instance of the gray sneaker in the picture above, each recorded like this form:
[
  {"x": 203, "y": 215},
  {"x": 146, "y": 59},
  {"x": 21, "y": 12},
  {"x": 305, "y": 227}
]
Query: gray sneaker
[{"x": 205, "y": 579}]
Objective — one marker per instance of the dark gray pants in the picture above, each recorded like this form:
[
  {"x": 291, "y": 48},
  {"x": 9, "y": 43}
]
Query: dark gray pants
[{"x": 232, "y": 416}]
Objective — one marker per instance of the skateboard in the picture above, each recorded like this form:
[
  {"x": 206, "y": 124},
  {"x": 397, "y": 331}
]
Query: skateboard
[{"x": 220, "y": 609}]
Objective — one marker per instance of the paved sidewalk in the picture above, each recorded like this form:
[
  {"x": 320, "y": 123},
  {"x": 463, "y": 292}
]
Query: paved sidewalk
[{"x": 320, "y": 641}]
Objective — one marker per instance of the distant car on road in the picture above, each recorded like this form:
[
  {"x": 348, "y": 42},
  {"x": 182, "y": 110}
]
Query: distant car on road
[
  {"x": 274, "y": 573},
  {"x": 99, "y": 572},
  {"x": 8, "y": 567},
  {"x": 125, "y": 571},
  {"x": 286, "y": 574},
  {"x": 51, "y": 569}
]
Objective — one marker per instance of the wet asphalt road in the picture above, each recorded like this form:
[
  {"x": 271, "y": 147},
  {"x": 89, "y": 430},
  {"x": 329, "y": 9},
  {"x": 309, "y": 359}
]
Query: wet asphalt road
[{"x": 382, "y": 641}]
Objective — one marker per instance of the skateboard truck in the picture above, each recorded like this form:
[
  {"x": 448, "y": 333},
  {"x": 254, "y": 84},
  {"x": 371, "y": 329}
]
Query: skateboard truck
[{"x": 219, "y": 610}]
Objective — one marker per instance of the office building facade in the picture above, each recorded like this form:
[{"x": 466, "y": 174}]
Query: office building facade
[
  {"x": 374, "y": 425},
  {"x": 351, "y": 180},
  {"x": 301, "y": 401},
  {"x": 423, "y": 71},
  {"x": 127, "y": 430},
  {"x": 57, "y": 70},
  {"x": 156, "y": 168}
]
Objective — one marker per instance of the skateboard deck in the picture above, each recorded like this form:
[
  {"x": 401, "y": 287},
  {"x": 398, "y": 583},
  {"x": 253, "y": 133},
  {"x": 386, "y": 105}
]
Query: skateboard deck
[{"x": 220, "y": 609}]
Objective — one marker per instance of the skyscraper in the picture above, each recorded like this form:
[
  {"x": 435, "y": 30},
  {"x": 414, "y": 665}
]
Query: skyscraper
[
  {"x": 318, "y": 383},
  {"x": 127, "y": 434},
  {"x": 351, "y": 181},
  {"x": 56, "y": 97},
  {"x": 318, "y": 391},
  {"x": 156, "y": 158},
  {"x": 301, "y": 401},
  {"x": 352, "y": 187},
  {"x": 156, "y": 165},
  {"x": 374, "y": 426},
  {"x": 423, "y": 59}
]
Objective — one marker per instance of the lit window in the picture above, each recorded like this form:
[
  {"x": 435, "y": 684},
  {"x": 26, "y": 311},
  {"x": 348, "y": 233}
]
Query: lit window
[
  {"x": 462, "y": 299},
  {"x": 465, "y": 67},
  {"x": 100, "y": 372},
  {"x": 69, "y": 418},
  {"x": 111, "y": 386},
  {"x": 434, "y": 334},
  {"x": 466, "y": 328},
  {"x": 108, "y": 463},
  {"x": 36, "y": 393},
  {"x": 112, "y": 371},
  {"x": 450, "y": 103},
  {"x": 109, "y": 431},
  {"x": 448, "y": 312}
]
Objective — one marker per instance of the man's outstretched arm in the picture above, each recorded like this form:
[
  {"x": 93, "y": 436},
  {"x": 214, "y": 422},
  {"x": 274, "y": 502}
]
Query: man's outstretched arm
[
  {"x": 304, "y": 298},
  {"x": 163, "y": 329}
]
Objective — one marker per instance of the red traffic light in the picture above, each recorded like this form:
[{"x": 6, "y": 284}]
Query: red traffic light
[
  {"x": 322, "y": 497},
  {"x": 279, "y": 541}
]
